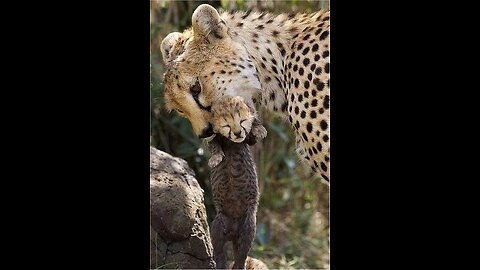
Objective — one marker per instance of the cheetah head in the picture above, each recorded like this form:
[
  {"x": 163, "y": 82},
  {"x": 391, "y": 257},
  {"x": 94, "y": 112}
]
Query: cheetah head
[
  {"x": 202, "y": 65},
  {"x": 232, "y": 118}
]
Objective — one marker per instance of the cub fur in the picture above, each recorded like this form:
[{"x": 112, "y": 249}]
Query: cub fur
[{"x": 234, "y": 180}]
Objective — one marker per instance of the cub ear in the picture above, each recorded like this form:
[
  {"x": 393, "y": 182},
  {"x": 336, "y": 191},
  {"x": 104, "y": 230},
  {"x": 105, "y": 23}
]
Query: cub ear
[
  {"x": 207, "y": 24},
  {"x": 167, "y": 45}
]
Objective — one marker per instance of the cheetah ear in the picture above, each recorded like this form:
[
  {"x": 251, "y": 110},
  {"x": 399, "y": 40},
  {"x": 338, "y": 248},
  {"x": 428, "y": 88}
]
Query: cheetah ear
[
  {"x": 207, "y": 24},
  {"x": 167, "y": 45}
]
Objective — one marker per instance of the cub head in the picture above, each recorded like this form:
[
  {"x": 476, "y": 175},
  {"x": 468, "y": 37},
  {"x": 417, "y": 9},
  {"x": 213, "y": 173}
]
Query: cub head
[
  {"x": 232, "y": 118},
  {"x": 203, "y": 64}
]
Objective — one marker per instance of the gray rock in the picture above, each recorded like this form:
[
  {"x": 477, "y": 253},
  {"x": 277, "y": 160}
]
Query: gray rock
[
  {"x": 179, "y": 232},
  {"x": 180, "y": 236}
]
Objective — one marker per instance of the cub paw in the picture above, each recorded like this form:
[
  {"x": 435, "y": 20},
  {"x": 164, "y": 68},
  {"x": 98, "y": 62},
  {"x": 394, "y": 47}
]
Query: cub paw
[
  {"x": 215, "y": 160},
  {"x": 259, "y": 132}
]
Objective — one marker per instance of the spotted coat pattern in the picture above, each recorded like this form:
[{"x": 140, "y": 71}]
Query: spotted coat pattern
[{"x": 282, "y": 62}]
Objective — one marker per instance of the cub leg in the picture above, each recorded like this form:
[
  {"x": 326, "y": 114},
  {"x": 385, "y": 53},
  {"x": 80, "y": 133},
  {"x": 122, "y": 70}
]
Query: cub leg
[
  {"x": 217, "y": 153},
  {"x": 258, "y": 130},
  {"x": 218, "y": 234},
  {"x": 246, "y": 234}
]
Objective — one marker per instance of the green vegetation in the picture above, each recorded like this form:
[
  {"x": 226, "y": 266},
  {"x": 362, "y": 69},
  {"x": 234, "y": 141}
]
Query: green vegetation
[{"x": 293, "y": 216}]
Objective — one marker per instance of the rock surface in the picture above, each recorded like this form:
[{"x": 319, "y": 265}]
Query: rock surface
[
  {"x": 179, "y": 232},
  {"x": 180, "y": 236}
]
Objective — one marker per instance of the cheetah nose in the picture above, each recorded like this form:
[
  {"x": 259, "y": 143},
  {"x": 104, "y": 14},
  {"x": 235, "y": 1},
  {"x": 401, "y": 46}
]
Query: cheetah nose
[{"x": 238, "y": 133}]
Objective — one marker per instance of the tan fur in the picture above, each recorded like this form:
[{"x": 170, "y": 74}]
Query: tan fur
[
  {"x": 252, "y": 264},
  {"x": 232, "y": 116},
  {"x": 197, "y": 56},
  {"x": 279, "y": 62},
  {"x": 233, "y": 119}
]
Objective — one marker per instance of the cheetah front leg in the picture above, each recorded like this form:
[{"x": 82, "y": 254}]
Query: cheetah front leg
[
  {"x": 257, "y": 133},
  {"x": 217, "y": 153},
  {"x": 258, "y": 130}
]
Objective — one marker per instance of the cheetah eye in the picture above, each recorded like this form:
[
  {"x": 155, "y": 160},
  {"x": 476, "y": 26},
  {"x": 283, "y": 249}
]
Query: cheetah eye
[
  {"x": 196, "y": 89},
  {"x": 180, "y": 112},
  {"x": 226, "y": 126}
]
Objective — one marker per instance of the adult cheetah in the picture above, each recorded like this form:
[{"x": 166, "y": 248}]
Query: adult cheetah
[{"x": 279, "y": 62}]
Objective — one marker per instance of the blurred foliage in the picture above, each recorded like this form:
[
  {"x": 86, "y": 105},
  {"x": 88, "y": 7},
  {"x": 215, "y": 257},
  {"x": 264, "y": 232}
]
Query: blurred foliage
[{"x": 293, "y": 216}]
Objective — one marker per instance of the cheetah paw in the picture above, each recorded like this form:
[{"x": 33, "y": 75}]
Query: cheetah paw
[
  {"x": 215, "y": 160},
  {"x": 259, "y": 132}
]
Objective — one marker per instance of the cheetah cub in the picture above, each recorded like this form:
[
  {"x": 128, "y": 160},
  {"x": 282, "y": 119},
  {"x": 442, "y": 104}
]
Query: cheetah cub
[
  {"x": 233, "y": 119},
  {"x": 234, "y": 179}
]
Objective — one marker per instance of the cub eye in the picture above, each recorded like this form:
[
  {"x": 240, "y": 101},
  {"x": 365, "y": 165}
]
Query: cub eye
[
  {"x": 180, "y": 111},
  {"x": 226, "y": 126},
  {"x": 243, "y": 120}
]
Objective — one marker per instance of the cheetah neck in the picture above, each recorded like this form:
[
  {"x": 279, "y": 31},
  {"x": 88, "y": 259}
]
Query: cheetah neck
[{"x": 268, "y": 39}]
